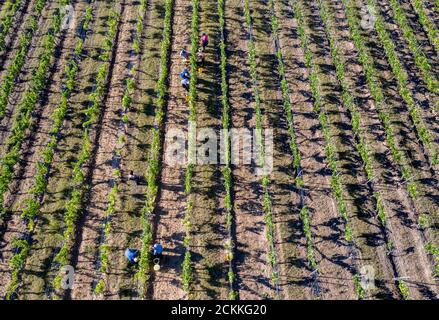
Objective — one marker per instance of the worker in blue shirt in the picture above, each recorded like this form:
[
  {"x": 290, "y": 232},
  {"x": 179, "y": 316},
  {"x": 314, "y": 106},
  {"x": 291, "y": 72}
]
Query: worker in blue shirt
[
  {"x": 184, "y": 54},
  {"x": 132, "y": 255},
  {"x": 157, "y": 250},
  {"x": 185, "y": 83},
  {"x": 185, "y": 74}
]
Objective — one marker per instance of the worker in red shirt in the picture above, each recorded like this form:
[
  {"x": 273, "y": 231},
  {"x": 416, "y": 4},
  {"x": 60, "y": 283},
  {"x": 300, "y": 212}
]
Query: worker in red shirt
[{"x": 204, "y": 40}]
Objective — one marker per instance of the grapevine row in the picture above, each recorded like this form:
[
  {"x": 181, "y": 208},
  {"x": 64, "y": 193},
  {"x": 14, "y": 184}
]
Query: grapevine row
[
  {"x": 265, "y": 182},
  {"x": 226, "y": 171},
  {"x": 427, "y": 24},
  {"x": 16, "y": 65},
  {"x": 288, "y": 109},
  {"x": 6, "y": 24},
  {"x": 401, "y": 77},
  {"x": 22, "y": 120},
  {"x": 419, "y": 56},
  {"x": 377, "y": 94},
  {"x": 156, "y": 148},
  {"x": 304, "y": 212},
  {"x": 80, "y": 185},
  {"x": 336, "y": 185},
  {"x": 192, "y": 99},
  {"x": 330, "y": 150},
  {"x": 348, "y": 102},
  {"x": 104, "y": 249},
  {"x": 139, "y": 26},
  {"x": 34, "y": 200}
]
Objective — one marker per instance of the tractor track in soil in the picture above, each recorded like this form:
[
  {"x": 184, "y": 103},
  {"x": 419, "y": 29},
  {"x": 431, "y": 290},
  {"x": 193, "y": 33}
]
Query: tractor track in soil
[{"x": 35, "y": 141}]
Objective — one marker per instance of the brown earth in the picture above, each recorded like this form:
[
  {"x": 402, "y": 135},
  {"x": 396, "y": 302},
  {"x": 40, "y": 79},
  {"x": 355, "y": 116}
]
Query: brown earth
[
  {"x": 33, "y": 145},
  {"x": 37, "y": 275},
  {"x": 172, "y": 200},
  {"x": 370, "y": 236},
  {"x": 208, "y": 223},
  {"x": 338, "y": 260},
  {"x": 26, "y": 71},
  {"x": 403, "y": 229},
  {"x": 126, "y": 226},
  {"x": 332, "y": 252},
  {"x": 253, "y": 271},
  {"x": 103, "y": 166}
]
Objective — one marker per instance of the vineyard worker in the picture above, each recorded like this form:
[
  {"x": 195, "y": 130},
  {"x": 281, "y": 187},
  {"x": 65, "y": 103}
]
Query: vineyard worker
[
  {"x": 204, "y": 40},
  {"x": 185, "y": 74},
  {"x": 185, "y": 83},
  {"x": 200, "y": 57},
  {"x": 132, "y": 176},
  {"x": 184, "y": 54},
  {"x": 200, "y": 60},
  {"x": 132, "y": 255},
  {"x": 157, "y": 250}
]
